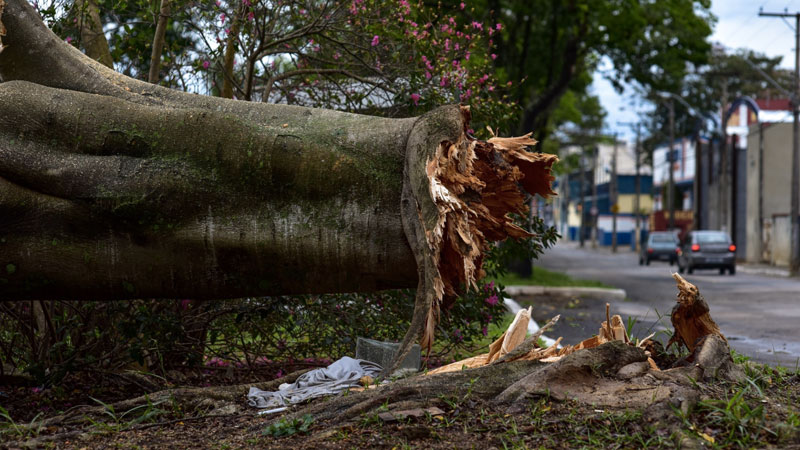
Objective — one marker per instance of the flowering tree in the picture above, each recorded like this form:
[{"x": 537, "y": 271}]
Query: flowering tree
[{"x": 211, "y": 198}]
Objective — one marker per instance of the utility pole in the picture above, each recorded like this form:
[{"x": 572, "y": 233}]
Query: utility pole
[
  {"x": 722, "y": 185},
  {"x": 671, "y": 162},
  {"x": 697, "y": 223},
  {"x": 613, "y": 197},
  {"x": 582, "y": 198},
  {"x": 595, "y": 210},
  {"x": 637, "y": 184},
  {"x": 794, "y": 260}
]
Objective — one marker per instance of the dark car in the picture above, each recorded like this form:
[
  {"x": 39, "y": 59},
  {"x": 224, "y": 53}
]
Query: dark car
[
  {"x": 660, "y": 245},
  {"x": 707, "y": 250}
]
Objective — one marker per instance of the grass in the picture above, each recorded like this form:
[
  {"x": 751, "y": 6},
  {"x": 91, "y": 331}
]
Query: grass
[{"x": 544, "y": 277}]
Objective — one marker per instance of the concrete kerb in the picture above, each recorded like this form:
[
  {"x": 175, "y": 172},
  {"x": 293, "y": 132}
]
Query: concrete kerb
[{"x": 593, "y": 292}]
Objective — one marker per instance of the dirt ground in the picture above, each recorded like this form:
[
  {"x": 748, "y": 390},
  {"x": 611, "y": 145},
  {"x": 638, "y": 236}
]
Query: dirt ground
[
  {"x": 763, "y": 411},
  {"x": 760, "y": 410}
]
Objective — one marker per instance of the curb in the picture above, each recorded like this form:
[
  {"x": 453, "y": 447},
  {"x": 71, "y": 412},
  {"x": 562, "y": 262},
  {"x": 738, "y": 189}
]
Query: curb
[
  {"x": 769, "y": 271},
  {"x": 600, "y": 293}
]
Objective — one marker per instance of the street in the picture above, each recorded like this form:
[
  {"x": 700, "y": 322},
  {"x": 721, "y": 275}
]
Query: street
[{"x": 758, "y": 314}]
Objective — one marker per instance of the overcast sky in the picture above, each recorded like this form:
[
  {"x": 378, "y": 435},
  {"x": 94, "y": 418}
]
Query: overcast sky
[{"x": 738, "y": 26}]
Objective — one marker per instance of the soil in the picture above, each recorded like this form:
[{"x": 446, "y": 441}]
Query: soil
[{"x": 471, "y": 418}]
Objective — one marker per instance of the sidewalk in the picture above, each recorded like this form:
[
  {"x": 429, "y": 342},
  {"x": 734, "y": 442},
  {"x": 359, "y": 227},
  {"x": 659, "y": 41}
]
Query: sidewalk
[{"x": 743, "y": 267}]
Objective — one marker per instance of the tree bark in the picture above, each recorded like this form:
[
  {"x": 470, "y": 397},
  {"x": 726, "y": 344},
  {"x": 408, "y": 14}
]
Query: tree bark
[
  {"x": 113, "y": 188},
  {"x": 230, "y": 52},
  {"x": 158, "y": 42},
  {"x": 92, "y": 38}
]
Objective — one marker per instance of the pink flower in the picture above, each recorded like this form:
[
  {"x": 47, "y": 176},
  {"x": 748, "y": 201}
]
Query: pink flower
[
  {"x": 494, "y": 56},
  {"x": 415, "y": 98},
  {"x": 68, "y": 39},
  {"x": 251, "y": 15},
  {"x": 493, "y": 300},
  {"x": 375, "y": 40},
  {"x": 477, "y": 25},
  {"x": 457, "y": 335},
  {"x": 462, "y": 5},
  {"x": 427, "y": 75},
  {"x": 246, "y": 2},
  {"x": 222, "y": 17},
  {"x": 337, "y": 55},
  {"x": 206, "y": 64},
  {"x": 498, "y": 27},
  {"x": 488, "y": 287}
]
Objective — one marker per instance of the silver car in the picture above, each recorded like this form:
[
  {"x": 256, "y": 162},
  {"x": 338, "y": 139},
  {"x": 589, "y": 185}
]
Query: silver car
[
  {"x": 707, "y": 250},
  {"x": 660, "y": 245}
]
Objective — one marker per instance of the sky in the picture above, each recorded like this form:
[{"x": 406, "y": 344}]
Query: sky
[{"x": 738, "y": 26}]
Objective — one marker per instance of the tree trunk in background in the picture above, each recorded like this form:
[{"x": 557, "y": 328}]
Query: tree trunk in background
[
  {"x": 92, "y": 38},
  {"x": 158, "y": 42},
  {"x": 230, "y": 53},
  {"x": 112, "y": 188}
]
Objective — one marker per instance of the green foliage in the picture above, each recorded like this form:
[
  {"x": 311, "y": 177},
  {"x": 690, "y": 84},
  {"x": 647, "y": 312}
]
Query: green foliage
[
  {"x": 288, "y": 427},
  {"x": 9, "y": 428},
  {"x": 544, "y": 277}
]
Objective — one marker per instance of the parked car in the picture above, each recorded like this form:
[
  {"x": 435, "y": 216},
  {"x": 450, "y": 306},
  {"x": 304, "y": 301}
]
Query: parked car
[
  {"x": 707, "y": 250},
  {"x": 660, "y": 245}
]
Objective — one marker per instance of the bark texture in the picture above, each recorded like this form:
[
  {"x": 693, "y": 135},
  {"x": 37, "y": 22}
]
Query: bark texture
[
  {"x": 113, "y": 188},
  {"x": 158, "y": 42},
  {"x": 92, "y": 38}
]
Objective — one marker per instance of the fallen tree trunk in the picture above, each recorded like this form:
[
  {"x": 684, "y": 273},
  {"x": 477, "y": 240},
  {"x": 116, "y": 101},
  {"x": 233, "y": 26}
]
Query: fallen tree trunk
[{"x": 112, "y": 188}]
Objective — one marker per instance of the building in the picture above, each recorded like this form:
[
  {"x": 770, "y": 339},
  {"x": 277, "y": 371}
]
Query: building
[
  {"x": 579, "y": 186},
  {"x": 769, "y": 173}
]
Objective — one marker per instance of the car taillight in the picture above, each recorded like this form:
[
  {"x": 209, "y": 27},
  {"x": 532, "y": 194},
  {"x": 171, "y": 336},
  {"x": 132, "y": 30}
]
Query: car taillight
[
  {"x": 732, "y": 248},
  {"x": 677, "y": 249},
  {"x": 649, "y": 250},
  {"x": 695, "y": 248}
]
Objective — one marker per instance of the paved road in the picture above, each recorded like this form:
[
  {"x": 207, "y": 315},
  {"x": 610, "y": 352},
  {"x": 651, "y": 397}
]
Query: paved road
[{"x": 760, "y": 315}]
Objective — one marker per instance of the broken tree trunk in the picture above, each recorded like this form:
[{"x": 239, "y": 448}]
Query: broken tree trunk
[
  {"x": 691, "y": 317},
  {"x": 112, "y": 188}
]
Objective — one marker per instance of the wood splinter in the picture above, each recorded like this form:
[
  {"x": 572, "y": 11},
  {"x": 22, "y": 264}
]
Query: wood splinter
[{"x": 690, "y": 317}]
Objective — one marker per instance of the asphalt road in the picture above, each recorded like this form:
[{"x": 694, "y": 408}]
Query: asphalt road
[{"x": 759, "y": 314}]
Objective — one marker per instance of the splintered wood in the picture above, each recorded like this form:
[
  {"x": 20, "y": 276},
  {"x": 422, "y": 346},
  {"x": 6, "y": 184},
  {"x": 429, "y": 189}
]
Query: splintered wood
[
  {"x": 512, "y": 345},
  {"x": 475, "y": 185},
  {"x": 691, "y": 317}
]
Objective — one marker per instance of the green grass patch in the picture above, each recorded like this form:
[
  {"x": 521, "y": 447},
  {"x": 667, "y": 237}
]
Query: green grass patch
[{"x": 544, "y": 277}]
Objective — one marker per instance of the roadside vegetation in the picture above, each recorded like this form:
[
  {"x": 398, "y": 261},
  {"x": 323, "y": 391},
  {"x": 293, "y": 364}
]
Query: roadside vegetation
[{"x": 551, "y": 278}]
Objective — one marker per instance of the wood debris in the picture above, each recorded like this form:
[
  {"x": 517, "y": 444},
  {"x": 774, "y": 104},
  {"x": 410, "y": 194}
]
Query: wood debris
[
  {"x": 691, "y": 317},
  {"x": 510, "y": 346},
  {"x": 475, "y": 185}
]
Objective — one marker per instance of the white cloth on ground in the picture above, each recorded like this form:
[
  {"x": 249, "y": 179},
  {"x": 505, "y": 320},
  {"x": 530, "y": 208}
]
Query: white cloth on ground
[{"x": 342, "y": 374}]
